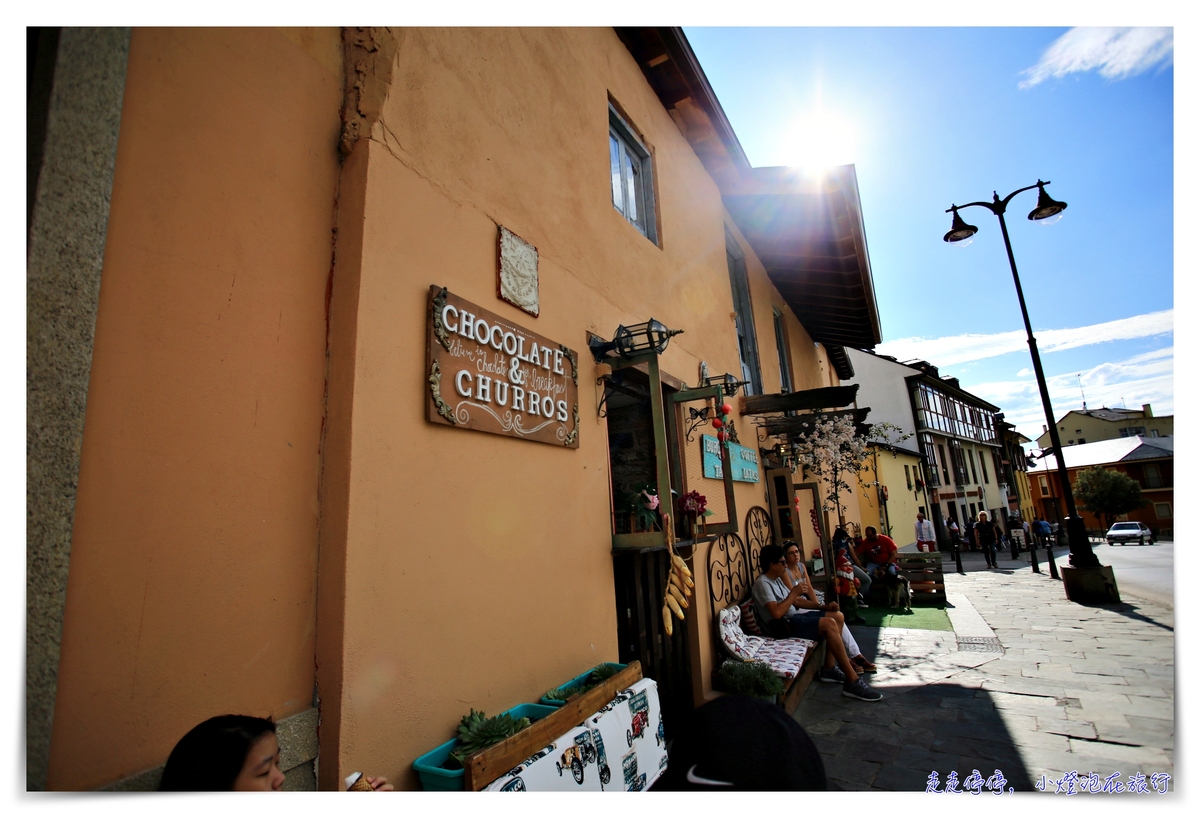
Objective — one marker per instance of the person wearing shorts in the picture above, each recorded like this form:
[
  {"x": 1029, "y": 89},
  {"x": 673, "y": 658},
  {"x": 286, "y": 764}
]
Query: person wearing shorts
[{"x": 783, "y": 612}]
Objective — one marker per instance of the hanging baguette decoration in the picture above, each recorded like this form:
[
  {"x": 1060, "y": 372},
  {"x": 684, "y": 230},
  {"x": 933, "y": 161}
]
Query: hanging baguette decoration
[{"x": 679, "y": 581}]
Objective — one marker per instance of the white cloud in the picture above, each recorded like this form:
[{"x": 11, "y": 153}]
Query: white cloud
[
  {"x": 958, "y": 349},
  {"x": 1116, "y": 53},
  {"x": 1024, "y": 371},
  {"x": 1145, "y": 378}
]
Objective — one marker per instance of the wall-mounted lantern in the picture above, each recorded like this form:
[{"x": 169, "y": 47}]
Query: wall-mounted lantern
[
  {"x": 635, "y": 339},
  {"x": 728, "y": 382}
]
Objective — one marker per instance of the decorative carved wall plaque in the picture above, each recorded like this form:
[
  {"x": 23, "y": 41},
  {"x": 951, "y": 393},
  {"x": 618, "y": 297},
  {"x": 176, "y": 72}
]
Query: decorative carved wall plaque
[
  {"x": 518, "y": 271},
  {"x": 489, "y": 375}
]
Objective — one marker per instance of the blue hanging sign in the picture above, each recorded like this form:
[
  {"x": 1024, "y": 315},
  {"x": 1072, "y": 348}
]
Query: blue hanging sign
[{"x": 742, "y": 460}]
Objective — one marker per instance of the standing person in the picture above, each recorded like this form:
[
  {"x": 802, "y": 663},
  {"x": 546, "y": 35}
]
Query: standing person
[
  {"x": 956, "y": 545},
  {"x": 1042, "y": 530},
  {"x": 987, "y": 534},
  {"x": 924, "y": 533}
]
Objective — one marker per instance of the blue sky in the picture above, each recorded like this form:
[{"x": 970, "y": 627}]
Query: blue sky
[{"x": 937, "y": 116}]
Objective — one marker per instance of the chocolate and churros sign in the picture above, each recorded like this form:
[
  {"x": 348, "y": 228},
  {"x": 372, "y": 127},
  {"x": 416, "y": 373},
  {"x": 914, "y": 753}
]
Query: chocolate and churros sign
[{"x": 490, "y": 375}]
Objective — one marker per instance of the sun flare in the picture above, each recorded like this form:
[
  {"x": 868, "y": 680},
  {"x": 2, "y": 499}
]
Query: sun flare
[{"x": 820, "y": 139}]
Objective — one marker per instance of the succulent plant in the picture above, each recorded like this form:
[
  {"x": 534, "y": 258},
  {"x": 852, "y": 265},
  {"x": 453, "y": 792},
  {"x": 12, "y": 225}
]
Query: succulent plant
[
  {"x": 599, "y": 674},
  {"x": 561, "y": 694},
  {"x": 749, "y": 679},
  {"x": 477, "y": 732},
  {"x": 604, "y": 671}
]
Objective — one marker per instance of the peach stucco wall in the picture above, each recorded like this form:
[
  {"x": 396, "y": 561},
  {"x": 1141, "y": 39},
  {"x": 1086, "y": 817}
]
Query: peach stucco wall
[
  {"x": 475, "y": 570},
  {"x": 251, "y": 518},
  {"x": 193, "y": 563}
]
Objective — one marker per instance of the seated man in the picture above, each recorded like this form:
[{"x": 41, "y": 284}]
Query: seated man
[
  {"x": 793, "y": 613},
  {"x": 879, "y": 550}
]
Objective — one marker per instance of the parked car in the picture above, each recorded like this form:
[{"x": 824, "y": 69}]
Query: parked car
[{"x": 1124, "y": 532}]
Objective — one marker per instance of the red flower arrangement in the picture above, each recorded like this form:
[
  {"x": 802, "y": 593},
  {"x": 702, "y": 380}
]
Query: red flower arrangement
[{"x": 693, "y": 504}]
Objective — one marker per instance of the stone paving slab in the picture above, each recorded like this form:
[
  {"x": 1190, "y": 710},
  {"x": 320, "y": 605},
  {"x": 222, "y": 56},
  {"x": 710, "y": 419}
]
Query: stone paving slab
[{"x": 1076, "y": 688}]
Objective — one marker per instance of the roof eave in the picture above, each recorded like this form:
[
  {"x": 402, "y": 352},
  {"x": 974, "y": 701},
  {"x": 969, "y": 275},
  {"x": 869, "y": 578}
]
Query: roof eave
[{"x": 833, "y": 273}]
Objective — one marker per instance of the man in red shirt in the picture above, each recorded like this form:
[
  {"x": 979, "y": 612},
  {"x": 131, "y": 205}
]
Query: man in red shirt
[{"x": 878, "y": 549}]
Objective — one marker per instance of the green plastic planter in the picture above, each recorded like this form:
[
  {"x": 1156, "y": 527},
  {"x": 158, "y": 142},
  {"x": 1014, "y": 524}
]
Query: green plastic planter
[
  {"x": 577, "y": 679},
  {"x": 429, "y": 766}
]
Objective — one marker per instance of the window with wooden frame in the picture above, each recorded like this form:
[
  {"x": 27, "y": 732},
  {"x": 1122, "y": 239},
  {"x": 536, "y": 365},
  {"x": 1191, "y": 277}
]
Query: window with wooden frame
[
  {"x": 781, "y": 345},
  {"x": 632, "y": 176},
  {"x": 653, "y": 447},
  {"x": 743, "y": 316},
  {"x": 931, "y": 464}
]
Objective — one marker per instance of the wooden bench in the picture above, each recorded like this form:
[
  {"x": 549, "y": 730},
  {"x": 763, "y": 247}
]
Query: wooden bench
[
  {"x": 732, "y": 567},
  {"x": 924, "y": 574}
]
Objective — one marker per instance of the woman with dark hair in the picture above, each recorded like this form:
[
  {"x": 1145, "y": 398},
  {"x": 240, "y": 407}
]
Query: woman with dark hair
[
  {"x": 225, "y": 753},
  {"x": 239, "y": 753}
]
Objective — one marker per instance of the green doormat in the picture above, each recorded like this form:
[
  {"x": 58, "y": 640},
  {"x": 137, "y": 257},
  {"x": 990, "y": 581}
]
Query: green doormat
[{"x": 921, "y": 619}]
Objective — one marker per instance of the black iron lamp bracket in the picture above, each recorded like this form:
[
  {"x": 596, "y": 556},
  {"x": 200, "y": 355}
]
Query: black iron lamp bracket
[
  {"x": 695, "y": 418},
  {"x": 998, "y": 206},
  {"x": 728, "y": 383}
]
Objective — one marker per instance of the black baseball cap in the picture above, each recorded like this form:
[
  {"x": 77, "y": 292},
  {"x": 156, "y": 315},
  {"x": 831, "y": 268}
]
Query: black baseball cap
[{"x": 741, "y": 743}]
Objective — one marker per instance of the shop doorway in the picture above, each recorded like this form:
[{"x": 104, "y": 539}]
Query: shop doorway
[{"x": 640, "y": 573}]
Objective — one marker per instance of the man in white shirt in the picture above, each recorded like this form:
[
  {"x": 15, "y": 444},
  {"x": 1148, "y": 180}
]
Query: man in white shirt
[{"x": 924, "y": 533}]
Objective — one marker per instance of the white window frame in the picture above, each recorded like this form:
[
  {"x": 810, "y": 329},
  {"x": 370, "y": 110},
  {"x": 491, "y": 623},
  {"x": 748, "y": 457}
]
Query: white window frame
[{"x": 631, "y": 176}]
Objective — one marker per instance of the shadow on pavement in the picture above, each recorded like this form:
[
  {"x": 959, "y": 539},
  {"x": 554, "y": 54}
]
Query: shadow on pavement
[
  {"x": 895, "y": 744},
  {"x": 1128, "y": 609}
]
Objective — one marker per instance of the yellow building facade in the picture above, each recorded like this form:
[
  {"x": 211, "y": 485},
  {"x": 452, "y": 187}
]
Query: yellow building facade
[
  {"x": 889, "y": 495},
  {"x": 1092, "y": 425}
]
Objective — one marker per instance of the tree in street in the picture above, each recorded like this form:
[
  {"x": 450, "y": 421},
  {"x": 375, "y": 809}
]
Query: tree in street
[
  {"x": 835, "y": 450},
  {"x": 1107, "y": 494}
]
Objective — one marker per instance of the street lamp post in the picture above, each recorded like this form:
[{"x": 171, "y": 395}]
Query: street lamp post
[{"x": 1087, "y": 580}]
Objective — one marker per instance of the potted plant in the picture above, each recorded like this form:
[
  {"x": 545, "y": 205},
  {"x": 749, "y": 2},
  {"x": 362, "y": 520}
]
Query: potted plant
[
  {"x": 442, "y": 767},
  {"x": 749, "y": 679},
  {"x": 558, "y": 696},
  {"x": 694, "y": 505}
]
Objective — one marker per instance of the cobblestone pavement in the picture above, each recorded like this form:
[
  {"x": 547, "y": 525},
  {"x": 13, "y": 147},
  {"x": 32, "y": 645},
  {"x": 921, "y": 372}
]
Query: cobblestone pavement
[{"x": 1056, "y": 687}]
